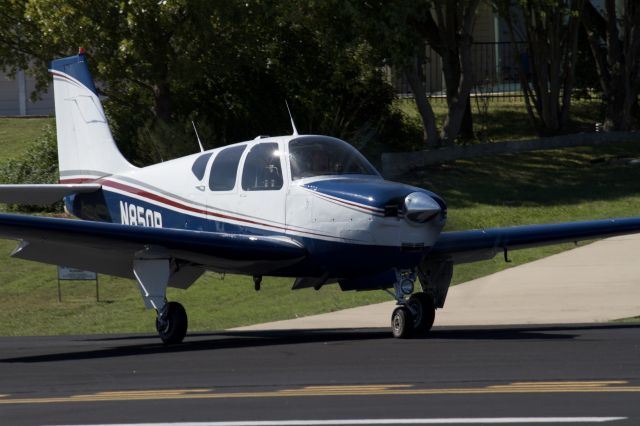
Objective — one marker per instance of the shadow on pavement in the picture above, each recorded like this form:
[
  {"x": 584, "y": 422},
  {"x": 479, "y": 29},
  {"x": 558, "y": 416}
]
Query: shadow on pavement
[{"x": 149, "y": 345}]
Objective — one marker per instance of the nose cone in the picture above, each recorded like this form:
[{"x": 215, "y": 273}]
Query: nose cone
[{"x": 420, "y": 207}]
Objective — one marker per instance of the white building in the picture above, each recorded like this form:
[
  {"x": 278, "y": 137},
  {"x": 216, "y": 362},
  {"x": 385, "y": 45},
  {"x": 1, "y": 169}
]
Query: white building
[{"x": 15, "y": 97}]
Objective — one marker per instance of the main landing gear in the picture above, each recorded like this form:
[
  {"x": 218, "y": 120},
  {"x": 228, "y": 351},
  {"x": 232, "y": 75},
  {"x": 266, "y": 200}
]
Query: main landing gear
[
  {"x": 152, "y": 269},
  {"x": 414, "y": 316},
  {"x": 172, "y": 323}
]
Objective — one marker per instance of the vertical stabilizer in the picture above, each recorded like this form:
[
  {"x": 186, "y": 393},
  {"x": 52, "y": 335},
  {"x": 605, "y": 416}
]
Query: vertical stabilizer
[{"x": 86, "y": 149}]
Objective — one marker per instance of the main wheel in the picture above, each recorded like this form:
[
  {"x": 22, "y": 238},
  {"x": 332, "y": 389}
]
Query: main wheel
[
  {"x": 401, "y": 323},
  {"x": 423, "y": 312},
  {"x": 172, "y": 323}
]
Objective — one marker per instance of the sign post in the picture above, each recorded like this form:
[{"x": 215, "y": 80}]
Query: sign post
[{"x": 72, "y": 274}]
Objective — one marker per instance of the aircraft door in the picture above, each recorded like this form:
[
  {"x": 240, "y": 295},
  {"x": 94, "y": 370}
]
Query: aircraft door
[{"x": 262, "y": 192}]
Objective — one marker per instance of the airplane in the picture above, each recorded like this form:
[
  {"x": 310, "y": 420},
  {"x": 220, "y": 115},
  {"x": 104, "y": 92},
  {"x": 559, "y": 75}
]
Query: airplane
[{"x": 309, "y": 207}]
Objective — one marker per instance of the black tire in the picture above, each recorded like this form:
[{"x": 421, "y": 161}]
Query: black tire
[
  {"x": 423, "y": 313},
  {"x": 172, "y": 323},
  {"x": 401, "y": 323}
]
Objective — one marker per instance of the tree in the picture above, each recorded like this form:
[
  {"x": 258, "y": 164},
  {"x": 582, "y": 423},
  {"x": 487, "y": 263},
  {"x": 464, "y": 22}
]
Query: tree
[
  {"x": 614, "y": 38},
  {"x": 450, "y": 35},
  {"x": 400, "y": 31},
  {"x": 38, "y": 163},
  {"x": 227, "y": 65},
  {"x": 551, "y": 34}
]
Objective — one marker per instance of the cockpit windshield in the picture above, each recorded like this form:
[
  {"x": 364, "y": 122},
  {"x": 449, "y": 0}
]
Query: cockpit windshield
[{"x": 322, "y": 155}]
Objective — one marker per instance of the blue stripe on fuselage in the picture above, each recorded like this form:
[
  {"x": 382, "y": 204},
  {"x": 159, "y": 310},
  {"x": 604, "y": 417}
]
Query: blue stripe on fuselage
[
  {"x": 340, "y": 259},
  {"x": 376, "y": 193}
]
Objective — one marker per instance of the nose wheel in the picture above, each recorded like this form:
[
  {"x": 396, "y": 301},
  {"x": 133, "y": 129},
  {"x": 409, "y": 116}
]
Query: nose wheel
[
  {"x": 415, "y": 318},
  {"x": 401, "y": 323},
  {"x": 172, "y": 323}
]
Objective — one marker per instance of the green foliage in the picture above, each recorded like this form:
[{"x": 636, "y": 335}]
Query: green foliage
[
  {"x": 38, "y": 164},
  {"x": 229, "y": 66},
  {"x": 17, "y": 133}
]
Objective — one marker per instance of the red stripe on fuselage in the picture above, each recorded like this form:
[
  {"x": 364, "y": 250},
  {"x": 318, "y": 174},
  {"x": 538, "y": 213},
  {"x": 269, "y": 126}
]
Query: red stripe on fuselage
[
  {"x": 163, "y": 200},
  {"x": 79, "y": 180}
]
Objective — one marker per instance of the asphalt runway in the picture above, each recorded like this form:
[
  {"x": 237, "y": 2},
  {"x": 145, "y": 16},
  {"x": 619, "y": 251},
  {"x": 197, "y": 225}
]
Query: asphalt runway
[{"x": 516, "y": 375}]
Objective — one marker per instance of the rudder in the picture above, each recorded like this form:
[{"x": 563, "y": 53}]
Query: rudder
[{"x": 86, "y": 148}]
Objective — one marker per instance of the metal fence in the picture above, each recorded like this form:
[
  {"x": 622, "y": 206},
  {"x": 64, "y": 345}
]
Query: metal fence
[{"x": 495, "y": 73}]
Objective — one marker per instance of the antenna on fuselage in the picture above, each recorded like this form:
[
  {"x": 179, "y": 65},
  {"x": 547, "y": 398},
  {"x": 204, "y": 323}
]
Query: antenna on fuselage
[
  {"x": 197, "y": 136},
  {"x": 295, "y": 131}
]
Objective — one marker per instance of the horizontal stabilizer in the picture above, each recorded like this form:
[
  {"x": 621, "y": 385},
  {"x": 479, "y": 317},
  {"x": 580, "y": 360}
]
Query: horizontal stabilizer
[{"x": 42, "y": 194}]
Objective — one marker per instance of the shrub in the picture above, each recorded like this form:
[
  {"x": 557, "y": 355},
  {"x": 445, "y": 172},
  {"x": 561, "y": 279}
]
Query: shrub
[{"x": 39, "y": 164}]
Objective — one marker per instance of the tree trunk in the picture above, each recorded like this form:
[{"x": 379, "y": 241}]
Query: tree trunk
[
  {"x": 429, "y": 128},
  {"x": 456, "y": 21},
  {"x": 445, "y": 27},
  {"x": 466, "y": 127},
  {"x": 618, "y": 65},
  {"x": 457, "y": 69},
  {"x": 162, "y": 101},
  {"x": 551, "y": 34}
]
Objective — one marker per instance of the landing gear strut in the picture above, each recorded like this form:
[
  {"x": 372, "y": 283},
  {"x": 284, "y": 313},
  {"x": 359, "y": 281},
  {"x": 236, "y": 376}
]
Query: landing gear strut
[
  {"x": 152, "y": 269},
  {"x": 415, "y": 315}
]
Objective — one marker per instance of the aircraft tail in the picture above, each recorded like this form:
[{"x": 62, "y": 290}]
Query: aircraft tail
[{"x": 86, "y": 149}]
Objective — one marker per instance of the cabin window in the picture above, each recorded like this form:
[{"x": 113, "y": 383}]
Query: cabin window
[
  {"x": 262, "y": 170},
  {"x": 200, "y": 165},
  {"x": 324, "y": 156},
  {"x": 225, "y": 168}
]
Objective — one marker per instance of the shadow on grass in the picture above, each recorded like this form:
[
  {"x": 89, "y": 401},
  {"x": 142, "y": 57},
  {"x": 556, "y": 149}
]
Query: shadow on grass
[{"x": 144, "y": 345}]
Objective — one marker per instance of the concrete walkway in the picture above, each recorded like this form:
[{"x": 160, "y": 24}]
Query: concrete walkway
[{"x": 593, "y": 283}]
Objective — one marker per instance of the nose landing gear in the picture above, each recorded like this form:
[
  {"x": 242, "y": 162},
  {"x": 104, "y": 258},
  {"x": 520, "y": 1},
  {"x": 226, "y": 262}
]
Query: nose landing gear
[
  {"x": 415, "y": 315},
  {"x": 401, "y": 322}
]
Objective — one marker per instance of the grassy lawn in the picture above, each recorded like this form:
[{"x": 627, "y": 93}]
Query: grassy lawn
[
  {"x": 506, "y": 119},
  {"x": 632, "y": 320},
  {"x": 17, "y": 133},
  {"x": 541, "y": 187}
]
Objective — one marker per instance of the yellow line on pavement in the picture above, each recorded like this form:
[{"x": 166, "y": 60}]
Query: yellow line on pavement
[
  {"x": 599, "y": 383},
  {"x": 350, "y": 390},
  {"x": 357, "y": 387},
  {"x": 592, "y": 386},
  {"x": 146, "y": 393}
]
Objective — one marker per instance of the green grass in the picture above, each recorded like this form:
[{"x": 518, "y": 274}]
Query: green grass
[
  {"x": 541, "y": 187},
  {"x": 17, "y": 133},
  {"x": 506, "y": 119},
  {"x": 632, "y": 320},
  {"x": 29, "y": 306}
]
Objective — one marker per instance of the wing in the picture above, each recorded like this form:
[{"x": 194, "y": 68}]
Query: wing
[
  {"x": 471, "y": 246},
  {"x": 110, "y": 248},
  {"x": 42, "y": 194}
]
